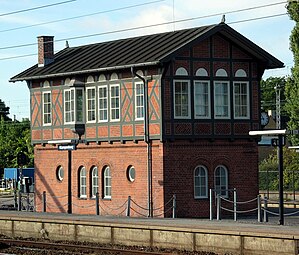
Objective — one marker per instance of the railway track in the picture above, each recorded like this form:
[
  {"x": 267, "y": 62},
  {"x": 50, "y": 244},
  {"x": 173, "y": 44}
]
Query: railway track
[{"x": 78, "y": 248}]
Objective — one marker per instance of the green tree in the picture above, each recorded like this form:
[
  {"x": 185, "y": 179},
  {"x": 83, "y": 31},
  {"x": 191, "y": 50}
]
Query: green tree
[
  {"x": 14, "y": 137},
  {"x": 292, "y": 84},
  {"x": 4, "y": 111},
  {"x": 268, "y": 96}
]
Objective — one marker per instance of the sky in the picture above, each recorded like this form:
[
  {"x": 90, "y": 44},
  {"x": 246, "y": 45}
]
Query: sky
[{"x": 98, "y": 21}]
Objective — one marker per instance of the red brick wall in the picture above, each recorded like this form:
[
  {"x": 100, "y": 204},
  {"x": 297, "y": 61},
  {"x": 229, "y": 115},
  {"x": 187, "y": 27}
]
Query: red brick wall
[
  {"x": 181, "y": 158},
  {"x": 119, "y": 157}
]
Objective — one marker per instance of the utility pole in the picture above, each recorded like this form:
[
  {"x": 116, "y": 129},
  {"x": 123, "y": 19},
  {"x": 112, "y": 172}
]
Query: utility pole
[{"x": 278, "y": 106}]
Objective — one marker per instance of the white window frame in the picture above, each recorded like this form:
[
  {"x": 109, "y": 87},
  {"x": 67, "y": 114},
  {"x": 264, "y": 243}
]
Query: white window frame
[
  {"x": 247, "y": 103},
  {"x": 139, "y": 100},
  {"x": 104, "y": 99},
  {"x": 83, "y": 184},
  {"x": 222, "y": 103},
  {"x": 94, "y": 181},
  {"x": 73, "y": 106},
  {"x": 176, "y": 115},
  {"x": 200, "y": 104},
  {"x": 91, "y": 105},
  {"x": 112, "y": 97},
  {"x": 222, "y": 188},
  {"x": 200, "y": 186},
  {"x": 107, "y": 183},
  {"x": 71, "y": 102},
  {"x": 47, "y": 105}
]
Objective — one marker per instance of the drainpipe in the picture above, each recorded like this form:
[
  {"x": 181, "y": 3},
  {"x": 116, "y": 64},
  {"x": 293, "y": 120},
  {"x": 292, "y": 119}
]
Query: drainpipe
[{"x": 147, "y": 141}]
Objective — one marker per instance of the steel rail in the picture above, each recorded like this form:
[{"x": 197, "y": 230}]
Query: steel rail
[{"x": 74, "y": 247}]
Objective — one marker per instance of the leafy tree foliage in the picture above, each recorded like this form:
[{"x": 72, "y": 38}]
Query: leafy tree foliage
[
  {"x": 268, "y": 96},
  {"x": 14, "y": 137},
  {"x": 4, "y": 111},
  {"x": 292, "y": 85},
  {"x": 269, "y": 171}
]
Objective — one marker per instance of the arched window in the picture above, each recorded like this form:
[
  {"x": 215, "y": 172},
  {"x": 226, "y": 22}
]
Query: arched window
[
  {"x": 200, "y": 182},
  {"x": 221, "y": 73},
  {"x": 181, "y": 71},
  {"x": 114, "y": 76},
  {"x": 102, "y": 77},
  {"x": 90, "y": 79},
  {"x": 240, "y": 73},
  {"x": 82, "y": 182},
  {"x": 94, "y": 181},
  {"x": 107, "y": 182},
  {"x": 221, "y": 180},
  {"x": 201, "y": 72}
]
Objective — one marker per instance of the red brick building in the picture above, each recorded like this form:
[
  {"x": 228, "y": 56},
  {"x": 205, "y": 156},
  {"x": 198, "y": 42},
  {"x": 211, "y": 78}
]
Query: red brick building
[{"x": 191, "y": 135}]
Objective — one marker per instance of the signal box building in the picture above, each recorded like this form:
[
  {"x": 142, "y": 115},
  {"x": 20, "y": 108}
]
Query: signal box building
[{"x": 153, "y": 116}]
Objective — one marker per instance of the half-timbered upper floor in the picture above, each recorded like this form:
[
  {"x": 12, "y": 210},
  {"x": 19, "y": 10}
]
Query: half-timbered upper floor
[{"x": 200, "y": 83}]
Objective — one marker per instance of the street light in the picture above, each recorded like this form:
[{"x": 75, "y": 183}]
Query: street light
[
  {"x": 67, "y": 145},
  {"x": 280, "y": 133}
]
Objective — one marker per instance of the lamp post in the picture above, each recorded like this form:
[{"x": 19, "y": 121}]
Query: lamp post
[
  {"x": 279, "y": 142},
  {"x": 69, "y": 146}
]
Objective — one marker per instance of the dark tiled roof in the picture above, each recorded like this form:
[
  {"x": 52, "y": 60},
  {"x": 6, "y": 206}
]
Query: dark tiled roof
[{"x": 137, "y": 51}]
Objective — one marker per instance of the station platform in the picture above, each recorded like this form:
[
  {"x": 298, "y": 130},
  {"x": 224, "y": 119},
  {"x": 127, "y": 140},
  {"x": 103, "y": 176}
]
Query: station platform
[{"x": 225, "y": 236}]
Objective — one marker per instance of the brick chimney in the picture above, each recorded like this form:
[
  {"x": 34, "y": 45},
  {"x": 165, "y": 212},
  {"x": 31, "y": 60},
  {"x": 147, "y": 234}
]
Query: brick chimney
[{"x": 45, "y": 50}]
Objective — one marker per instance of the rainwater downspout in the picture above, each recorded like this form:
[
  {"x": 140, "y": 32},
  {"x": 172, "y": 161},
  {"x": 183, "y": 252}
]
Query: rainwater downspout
[{"x": 147, "y": 141}]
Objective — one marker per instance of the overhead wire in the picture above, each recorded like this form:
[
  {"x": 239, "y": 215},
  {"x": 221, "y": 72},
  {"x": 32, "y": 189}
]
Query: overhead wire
[
  {"x": 82, "y": 16},
  {"x": 36, "y": 8},
  {"x": 148, "y": 26}
]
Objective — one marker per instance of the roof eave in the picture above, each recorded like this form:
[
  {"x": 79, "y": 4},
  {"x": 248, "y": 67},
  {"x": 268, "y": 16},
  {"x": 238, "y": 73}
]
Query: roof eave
[{"x": 64, "y": 74}]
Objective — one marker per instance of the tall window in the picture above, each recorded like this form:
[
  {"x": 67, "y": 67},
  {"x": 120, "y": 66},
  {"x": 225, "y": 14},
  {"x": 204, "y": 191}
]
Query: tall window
[
  {"x": 221, "y": 180},
  {"x": 107, "y": 182},
  {"x": 202, "y": 99},
  {"x": 181, "y": 99},
  {"x": 114, "y": 103},
  {"x": 221, "y": 104},
  {"x": 82, "y": 184},
  {"x": 47, "y": 108},
  {"x": 94, "y": 181},
  {"x": 139, "y": 100},
  {"x": 79, "y": 105},
  {"x": 200, "y": 182},
  {"x": 91, "y": 104},
  {"x": 241, "y": 100},
  {"x": 103, "y": 103},
  {"x": 73, "y": 105},
  {"x": 69, "y": 105}
]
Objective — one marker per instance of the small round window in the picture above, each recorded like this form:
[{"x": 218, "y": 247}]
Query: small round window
[
  {"x": 59, "y": 173},
  {"x": 131, "y": 173}
]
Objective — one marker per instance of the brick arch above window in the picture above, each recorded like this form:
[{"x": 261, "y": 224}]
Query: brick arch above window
[
  {"x": 181, "y": 71},
  {"x": 201, "y": 72},
  {"x": 221, "y": 73}
]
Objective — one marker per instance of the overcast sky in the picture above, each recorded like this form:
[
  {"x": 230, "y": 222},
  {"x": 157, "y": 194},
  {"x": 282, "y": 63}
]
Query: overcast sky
[{"x": 272, "y": 33}]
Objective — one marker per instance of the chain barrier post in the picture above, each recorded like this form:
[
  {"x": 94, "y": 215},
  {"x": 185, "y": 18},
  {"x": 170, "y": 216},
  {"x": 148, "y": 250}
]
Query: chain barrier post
[
  {"x": 19, "y": 201},
  {"x": 265, "y": 209},
  {"x": 44, "y": 200},
  {"x": 97, "y": 203},
  {"x": 128, "y": 206},
  {"x": 235, "y": 204},
  {"x": 15, "y": 198},
  {"x": 174, "y": 206},
  {"x": 28, "y": 202},
  {"x": 259, "y": 208},
  {"x": 211, "y": 204},
  {"x": 218, "y": 207}
]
